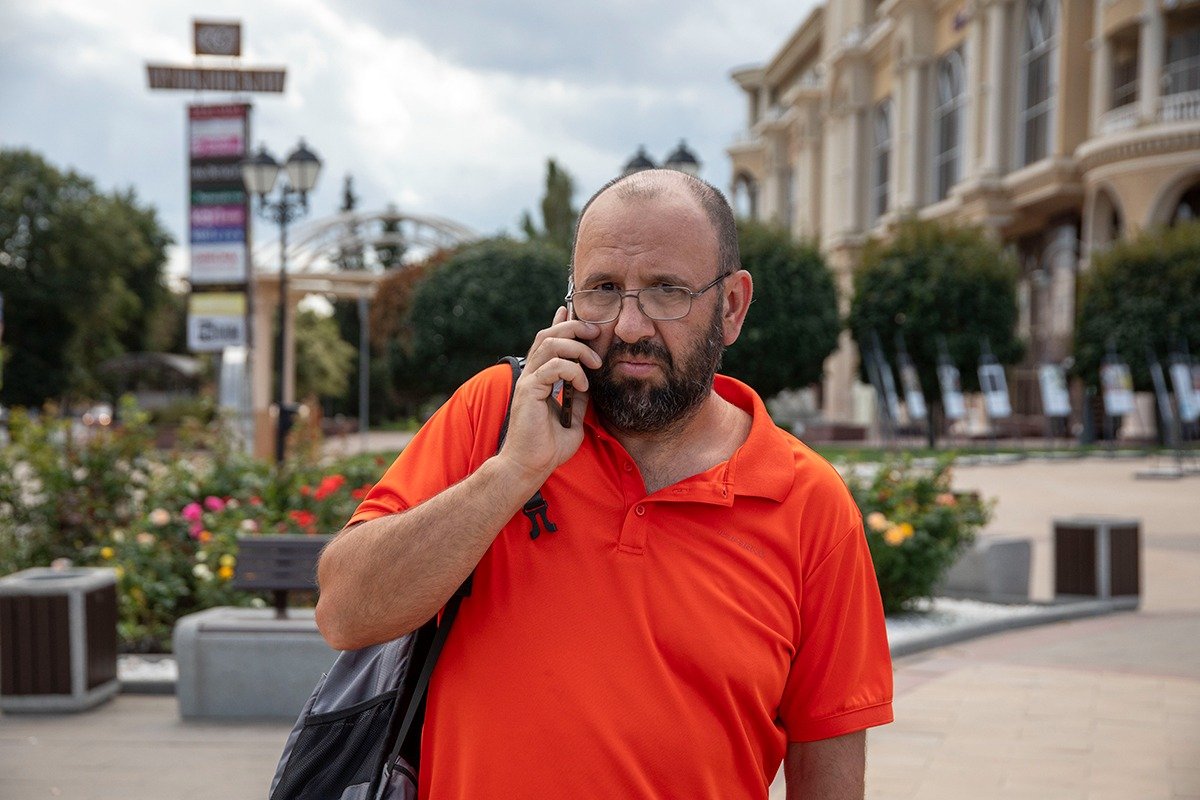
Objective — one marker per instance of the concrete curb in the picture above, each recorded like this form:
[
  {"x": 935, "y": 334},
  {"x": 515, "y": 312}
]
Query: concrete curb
[
  {"x": 1052, "y": 613},
  {"x": 1049, "y": 614}
]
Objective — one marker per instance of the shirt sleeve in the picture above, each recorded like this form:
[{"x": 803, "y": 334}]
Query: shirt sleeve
[
  {"x": 841, "y": 677},
  {"x": 460, "y": 436}
]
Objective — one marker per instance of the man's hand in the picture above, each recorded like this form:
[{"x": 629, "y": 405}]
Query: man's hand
[
  {"x": 829, "y": 769},
  {"x": 536, "y": 443}
]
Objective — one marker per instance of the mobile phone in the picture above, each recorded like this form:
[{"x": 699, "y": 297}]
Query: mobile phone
[{"x": 568, "y": 391}]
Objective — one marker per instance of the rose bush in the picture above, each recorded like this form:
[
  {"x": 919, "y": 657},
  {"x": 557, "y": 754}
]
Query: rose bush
[
  {"x": 167, "y": 522},
  {"x": 916, "y": 526}
]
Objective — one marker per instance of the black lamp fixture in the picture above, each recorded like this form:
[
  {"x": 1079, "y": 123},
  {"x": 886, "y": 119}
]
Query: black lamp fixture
[
  {"x": 259, "y": 174},
  {"x": 681, "y": 159}
]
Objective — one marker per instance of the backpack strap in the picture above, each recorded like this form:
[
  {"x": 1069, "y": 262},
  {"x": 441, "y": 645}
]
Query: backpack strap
[{"x": 534, "y": 509}]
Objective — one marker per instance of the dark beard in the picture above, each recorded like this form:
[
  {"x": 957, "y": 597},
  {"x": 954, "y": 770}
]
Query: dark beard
[{"x": 636, "y": 406}]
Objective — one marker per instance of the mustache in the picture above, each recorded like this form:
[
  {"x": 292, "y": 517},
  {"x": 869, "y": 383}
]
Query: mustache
[{"x": 642, "y": 347}]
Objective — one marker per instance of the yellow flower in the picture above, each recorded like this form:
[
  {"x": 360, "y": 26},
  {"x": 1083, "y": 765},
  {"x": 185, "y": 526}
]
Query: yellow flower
[
  {"x": 876, "y": 521},
  {"x": 106, "y": 553},
  {"x": 898, "y": 534},
  {"x": 226, "y": 572},
  {"x": 120, "y": 571},
  {"x": 227, "y": 560}
]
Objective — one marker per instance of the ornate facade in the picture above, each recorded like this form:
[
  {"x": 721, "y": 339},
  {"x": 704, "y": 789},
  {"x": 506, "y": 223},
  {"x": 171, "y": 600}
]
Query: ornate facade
[{"x": 1057, "y": 125}]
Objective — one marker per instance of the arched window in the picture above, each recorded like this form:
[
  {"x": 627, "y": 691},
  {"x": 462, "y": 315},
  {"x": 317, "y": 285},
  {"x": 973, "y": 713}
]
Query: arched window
[
  {"x": 947, "y": 116},
  {"x": 745, "y": 196},
  {"x": 1188, "y": 208},
  {"x": 1037, "y": 78},
  {"x": 881, "y": 158}
]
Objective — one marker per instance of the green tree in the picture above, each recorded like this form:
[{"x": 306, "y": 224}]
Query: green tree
[
  {"x": 81, "y": 273},
  {"x": 487, "y": 301},
  {"x": 931, "y": 281},
  {"x": 558, "y": 214},
  {"x": 793, "y": 324},
  {"x": 323, "y": 359},
  {"x": 1143, "y": 293}
]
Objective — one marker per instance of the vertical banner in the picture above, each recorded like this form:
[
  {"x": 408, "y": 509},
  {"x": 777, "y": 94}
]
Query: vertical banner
[
  {"x": 218, "y": 207},
  {"x": 953, "y": 404},
  {"x": 1186, "y": 398},
  {"x": 994, "y": 386},
  {"x": 1116, "y": 383},
  {"x": 914, "y": 396},
  {"x": 1056, "y": 400}
]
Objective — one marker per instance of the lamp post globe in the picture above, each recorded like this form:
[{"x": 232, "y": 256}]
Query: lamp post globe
[{"x": 259, "y": 174}]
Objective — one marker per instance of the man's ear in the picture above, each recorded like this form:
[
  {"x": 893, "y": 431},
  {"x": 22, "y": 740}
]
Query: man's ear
[{"x": 737, "y": 292}]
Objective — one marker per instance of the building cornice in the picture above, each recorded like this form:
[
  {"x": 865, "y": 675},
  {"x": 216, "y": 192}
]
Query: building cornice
[{"x": 1158, "y": 139}]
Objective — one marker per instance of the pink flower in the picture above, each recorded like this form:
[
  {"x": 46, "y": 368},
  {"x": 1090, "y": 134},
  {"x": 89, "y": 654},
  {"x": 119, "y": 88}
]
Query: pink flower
[
  {"x": 194, "y": 529},
  {"x": 192, "y": 512},
  {"x": 213, "y": 503}
]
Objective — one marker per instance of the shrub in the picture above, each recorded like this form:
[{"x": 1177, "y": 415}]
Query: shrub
[{"x": 916, "y": 527}]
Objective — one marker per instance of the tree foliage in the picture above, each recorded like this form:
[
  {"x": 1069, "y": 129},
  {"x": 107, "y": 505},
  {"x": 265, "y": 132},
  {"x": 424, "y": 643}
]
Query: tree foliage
[
  {"x": 792, "y": 325},
  {"x": 1143, "y": 293},
  {"x": 487, "y": 301},
  {"x": 323, "y": 359},
  {"x": 558, "y": 214},
  {"x": 82, "y": 276},
  {"x": 932, "y": 281}
]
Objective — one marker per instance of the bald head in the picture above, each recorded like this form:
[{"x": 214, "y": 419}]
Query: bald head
[{"x": 652, "y": 184}]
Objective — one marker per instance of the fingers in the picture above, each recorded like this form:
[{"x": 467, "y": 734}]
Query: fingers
[{"x": 562, "y": 340}]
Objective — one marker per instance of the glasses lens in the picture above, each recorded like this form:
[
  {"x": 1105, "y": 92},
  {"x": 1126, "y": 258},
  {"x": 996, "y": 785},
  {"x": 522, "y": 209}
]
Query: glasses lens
[
  {"x": 596, "y": 305},
  {"x": 666, "y": 302}
]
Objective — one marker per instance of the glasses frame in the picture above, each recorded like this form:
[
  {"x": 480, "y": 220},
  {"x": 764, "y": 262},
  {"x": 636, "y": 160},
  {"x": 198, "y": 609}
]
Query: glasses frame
[{"x": 636, "y": 294}]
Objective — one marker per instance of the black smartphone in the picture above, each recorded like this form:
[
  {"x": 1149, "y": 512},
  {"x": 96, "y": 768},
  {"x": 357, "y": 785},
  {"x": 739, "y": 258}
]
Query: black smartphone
[{"x": 568, "y": 391}]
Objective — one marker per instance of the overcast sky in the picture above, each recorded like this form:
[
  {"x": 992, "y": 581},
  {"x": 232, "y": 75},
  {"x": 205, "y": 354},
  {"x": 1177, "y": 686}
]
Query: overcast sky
[{"x": 446, "y": 108}]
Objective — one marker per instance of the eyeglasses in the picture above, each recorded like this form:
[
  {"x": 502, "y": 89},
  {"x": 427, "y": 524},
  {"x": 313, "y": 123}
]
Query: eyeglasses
[{"x": 599, "y": 306}]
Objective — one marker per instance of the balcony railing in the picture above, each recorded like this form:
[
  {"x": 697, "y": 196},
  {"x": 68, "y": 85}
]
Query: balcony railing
[
  {"x": 1119, "y": 119},
  {"x": 1180, "y": 107}
]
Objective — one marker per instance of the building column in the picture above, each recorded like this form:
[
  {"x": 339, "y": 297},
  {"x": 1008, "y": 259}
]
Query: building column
[
  {"x": 996, "y": 86},
  {"x": 1151, "y": 56},
  {"x": 908, "y": 140},
  {"x": 1101, "y": 75},
  {"x": 976, "y": 123},
  {"x": 857, "y": 167}
]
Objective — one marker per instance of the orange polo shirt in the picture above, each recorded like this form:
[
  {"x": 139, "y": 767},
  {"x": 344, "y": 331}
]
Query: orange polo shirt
[{"x": 656, "y": 646}]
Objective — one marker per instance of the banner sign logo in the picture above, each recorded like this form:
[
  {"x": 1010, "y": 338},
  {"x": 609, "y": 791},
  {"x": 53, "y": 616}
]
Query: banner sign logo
[
  {"x": 216, "y": 320},
  {"x": 219, "y": 214}
]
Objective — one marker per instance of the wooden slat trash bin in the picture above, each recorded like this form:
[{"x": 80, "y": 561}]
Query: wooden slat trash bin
[
  {"x": 1097, "y": 557},
  {"x": 58, "y": 639}
]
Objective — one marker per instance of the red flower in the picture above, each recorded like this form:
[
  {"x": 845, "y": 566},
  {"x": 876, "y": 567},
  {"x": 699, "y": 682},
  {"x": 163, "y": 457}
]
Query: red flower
[
  {"x": 305, "y": 490},
  {"x": 361, "y": 492},
  {"x": 305, "y": 519},
  {"x": 329, "y": 484},
  {"x": 255, "y": 500}
]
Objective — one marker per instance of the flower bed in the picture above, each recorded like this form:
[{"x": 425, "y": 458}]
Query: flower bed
[
  {"x": 915, "y": 526},
  {"x": 166, "y": 521}
]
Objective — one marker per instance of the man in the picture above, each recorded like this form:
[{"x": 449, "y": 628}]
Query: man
[{"x": 706, "y": 607}]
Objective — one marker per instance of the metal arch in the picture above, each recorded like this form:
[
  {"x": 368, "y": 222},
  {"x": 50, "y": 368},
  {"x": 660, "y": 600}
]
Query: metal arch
[{"x": 315, "y": 246}]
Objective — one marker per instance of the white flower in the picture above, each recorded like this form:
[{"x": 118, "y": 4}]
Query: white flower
[
  {"x": 202, "y": 572},
  {"x": 118, "y": 535},
  {"x": 79, "y": 473},
  {"x": 160, "y": 517},
  {"x": 250, "y": 525},
  {"x": 201, "y": 555}
]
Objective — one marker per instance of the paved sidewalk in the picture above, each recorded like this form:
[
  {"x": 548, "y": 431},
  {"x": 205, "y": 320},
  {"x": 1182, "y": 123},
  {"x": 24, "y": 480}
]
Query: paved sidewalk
[{"x": 1093, "y": 709}]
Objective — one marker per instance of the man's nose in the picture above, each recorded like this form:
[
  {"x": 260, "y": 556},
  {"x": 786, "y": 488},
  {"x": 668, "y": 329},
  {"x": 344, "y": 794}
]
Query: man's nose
[{"x": 632, "y": 324}]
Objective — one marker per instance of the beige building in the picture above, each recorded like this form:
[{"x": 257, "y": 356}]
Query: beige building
[{"x": 1058, "y": 125}]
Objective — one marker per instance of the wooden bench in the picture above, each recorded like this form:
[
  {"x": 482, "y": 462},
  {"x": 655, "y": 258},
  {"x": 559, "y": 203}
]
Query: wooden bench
[{"x": 278, "y": 563}]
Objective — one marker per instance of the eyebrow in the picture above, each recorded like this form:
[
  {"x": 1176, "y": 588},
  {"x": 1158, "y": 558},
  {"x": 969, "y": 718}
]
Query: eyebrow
[{"x": 667, "y": 278}]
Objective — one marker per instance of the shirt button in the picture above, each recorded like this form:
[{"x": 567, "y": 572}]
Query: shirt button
[{"x": 641, "y": 511}]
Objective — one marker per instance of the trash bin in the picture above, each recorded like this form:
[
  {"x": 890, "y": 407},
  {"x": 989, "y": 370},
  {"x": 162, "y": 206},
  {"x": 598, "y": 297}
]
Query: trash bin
[
  {"x": 1097, "y": 557},
  {"x": 58, "y": 639}
]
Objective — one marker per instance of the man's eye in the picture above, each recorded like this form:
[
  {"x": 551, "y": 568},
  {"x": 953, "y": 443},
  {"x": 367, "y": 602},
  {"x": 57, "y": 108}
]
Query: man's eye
[{"x": 609, "y": 287}]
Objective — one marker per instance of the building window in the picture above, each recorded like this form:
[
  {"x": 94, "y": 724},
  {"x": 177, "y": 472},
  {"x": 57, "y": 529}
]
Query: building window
[
  {"x": 881, "y": 158},
  {"x": 947, "y": 117},
  {"x": 1037, "y": 78},
  {"x": 1182, "y": 72},
  {"x": 1124, "y": 75}
]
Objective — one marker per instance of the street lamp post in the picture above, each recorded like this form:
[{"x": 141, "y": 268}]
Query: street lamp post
[{"x": 259, "y": 173}]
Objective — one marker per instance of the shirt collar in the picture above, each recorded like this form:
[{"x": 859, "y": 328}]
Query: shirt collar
[{"x": 763, "y": 466}]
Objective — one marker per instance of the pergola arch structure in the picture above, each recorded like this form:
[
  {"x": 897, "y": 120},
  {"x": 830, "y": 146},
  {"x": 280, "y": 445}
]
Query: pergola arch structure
[{"x": 345, "y": 256}]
